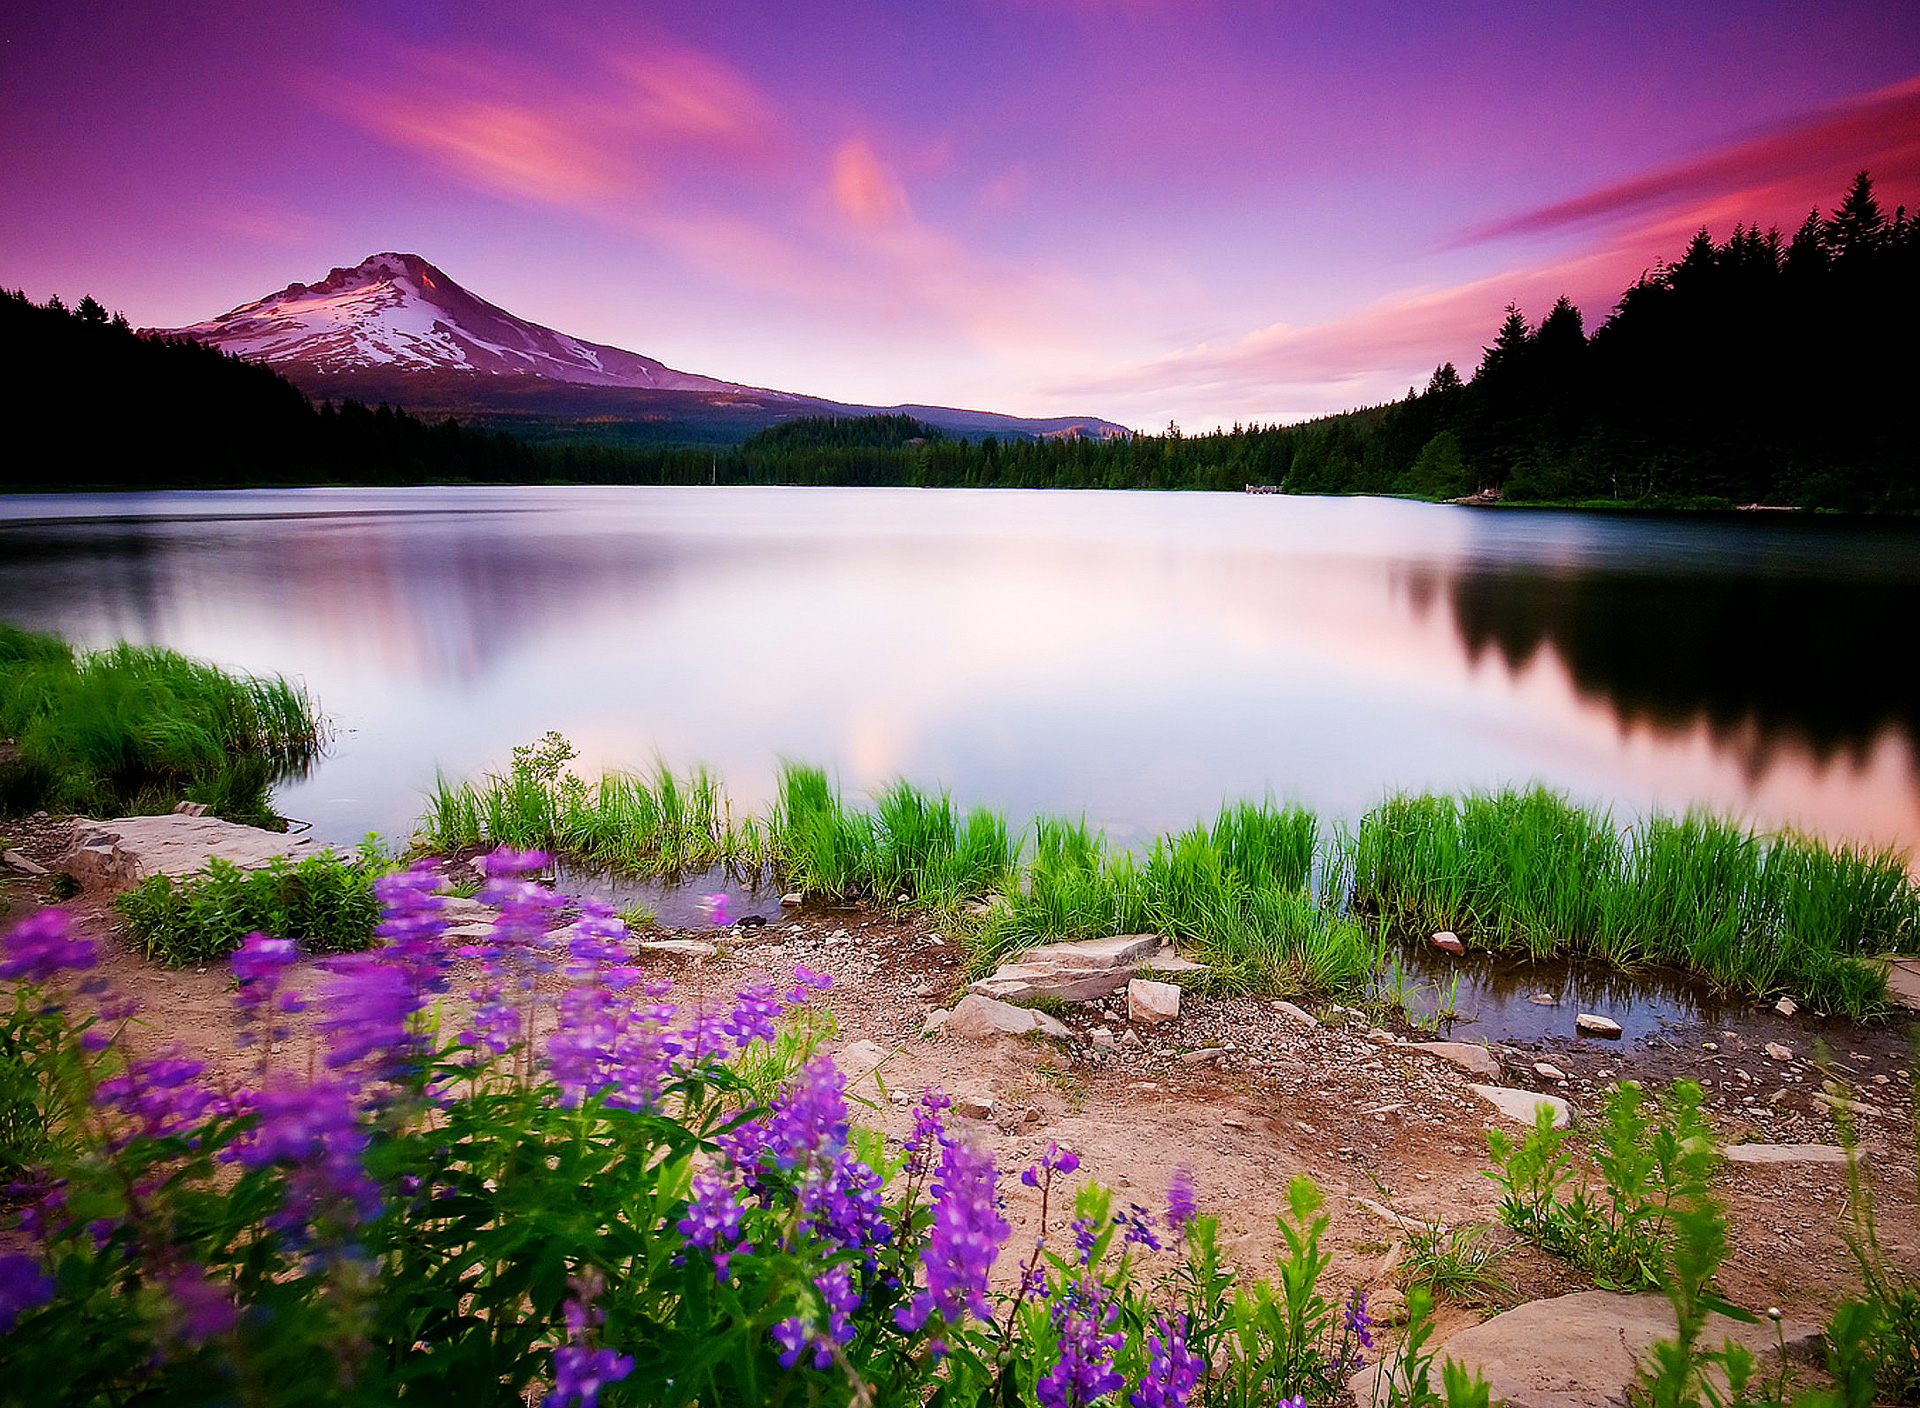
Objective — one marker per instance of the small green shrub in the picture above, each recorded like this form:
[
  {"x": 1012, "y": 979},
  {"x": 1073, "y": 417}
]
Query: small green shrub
[
  {"x": 323, "y": 903},
  {"x": 1650, "y": 1159}
]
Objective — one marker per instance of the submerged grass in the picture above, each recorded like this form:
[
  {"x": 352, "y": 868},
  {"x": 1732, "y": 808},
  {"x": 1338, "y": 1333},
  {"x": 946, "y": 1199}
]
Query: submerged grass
[
  {"x": 1516, "y": 871},
  {"x": 141, "y": 728}
]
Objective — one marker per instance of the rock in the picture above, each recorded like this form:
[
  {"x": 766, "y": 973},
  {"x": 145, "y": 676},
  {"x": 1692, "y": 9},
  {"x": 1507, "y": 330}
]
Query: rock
[
  {"x": 1167, "y": 961},
  {"x": 1387, "y": 1307},
  {"x": 1449, "y": 941},
  {"x": 792, "y": 899},
  {"x": 1842, "y": 1102},
  {"x": 1546, "y": 1070},
  {"x": 1582, "y": 1350},
  {"x": 1202, "y": 1056},
  {"x": 859, "y": 1058},
  {"x": 1786, "y": 1153},
  {"x": 685, "y": 948},
  {"x": 1102, "y": 1038},
  {"x": 1777, "y": 1052},
  {"x": 983, "y": 1018},
  {"x": 13, "y": 860},
  {"x": 1380, "y": 1036},
  {"x": 190, "y": 809},
  {"x": 479, "y": 933},
  {"x": 1395, "y": 1219},
  {"x": 936, "y": 1021},
  {"x": 1130, "y": 1039},
  {"x": 1786, "y": 1007},
  {"x": 1475, "y": 1060},
  {"x": 1295, "y": 1014},
  {"x": 1519, "y": 1105},
  {"x": 1151, "y": 1003},
  {"x": 1903, "y": 982},
  {"x": 457, "y": 909},
  {"x": 987, "y": 905},
  {"x": 974, "y": 1106},
  {"x": 121, "y": 853},
  {"x": 1591, "y": 1024},
  {"x": 1544, "y": 999},
  {"x": 1078, "y": 971}
]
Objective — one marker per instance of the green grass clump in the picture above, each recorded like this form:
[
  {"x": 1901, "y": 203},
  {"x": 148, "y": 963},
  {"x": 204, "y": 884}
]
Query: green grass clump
[
  {"x": 140, "y": 728},
  {"x": 323, "y": 903},
  {"x": 1530, "y": 872}
]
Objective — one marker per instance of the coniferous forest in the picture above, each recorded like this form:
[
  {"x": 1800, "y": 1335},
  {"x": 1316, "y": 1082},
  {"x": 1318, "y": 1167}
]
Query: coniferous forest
[{"x": 1766, "y": 369}]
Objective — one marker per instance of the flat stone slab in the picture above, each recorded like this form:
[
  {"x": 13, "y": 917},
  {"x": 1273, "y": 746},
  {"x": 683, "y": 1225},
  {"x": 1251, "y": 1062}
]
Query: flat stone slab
[
  {"x": 1167, "y": 961},
  {"x": 685, "y": 948},
  {"x": 1475, "y": 1060},
  {"x": 1519, "y": 1105},
  {"x": 1583, "y": 1350},
  {"x": 118, "y": 854},
  {"x": 1297, "y": 1015},
  {"x": 983, "y": 1018},
  {"x": 1078, "y": 971},
  {"x": 1903, "y": 982},
  {"x": 1785, "y": 1153}
]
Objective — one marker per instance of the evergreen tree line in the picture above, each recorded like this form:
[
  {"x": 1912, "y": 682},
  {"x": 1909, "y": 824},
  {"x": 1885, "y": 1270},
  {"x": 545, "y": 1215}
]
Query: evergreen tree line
[
  {"x": 1761, "y": 370},
  {"x": 90, "y": 404}
]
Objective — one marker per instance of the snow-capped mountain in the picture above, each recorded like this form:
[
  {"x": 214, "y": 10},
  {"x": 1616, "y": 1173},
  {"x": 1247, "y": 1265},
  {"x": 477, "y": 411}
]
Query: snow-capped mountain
[
  {"x": 394, "y": 328},
  {"x": 397, "y": 311}
]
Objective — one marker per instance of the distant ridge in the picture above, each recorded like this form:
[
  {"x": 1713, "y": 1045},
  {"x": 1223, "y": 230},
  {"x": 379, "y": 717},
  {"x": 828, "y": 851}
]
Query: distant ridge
[{"x": 396, "y": 328}]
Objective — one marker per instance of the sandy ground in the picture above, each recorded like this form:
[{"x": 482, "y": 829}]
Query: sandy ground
[{"x": 1366, "y": 1118}]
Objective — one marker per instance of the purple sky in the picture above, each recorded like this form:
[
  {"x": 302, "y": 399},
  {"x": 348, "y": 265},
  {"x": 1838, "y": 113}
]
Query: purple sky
[{"x": 1142, "y": 209}]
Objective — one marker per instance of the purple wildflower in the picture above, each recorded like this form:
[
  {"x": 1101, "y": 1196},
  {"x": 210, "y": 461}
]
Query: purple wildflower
[
  {"x": 260, "y": 966},
  {"x": 755, "y": 1010},
  {"x": 1355, "y": 1319},
  {"x": 1084, "y": 1316},
  {"x": 206, "y": 1308},
  {"x": 1139, "y": 1224},
  {"x": 41, "y": 947},
  {"x": 841, "y": 1204},
  {"x": 580, "y": 1373},
  {"x": 1172, "y": 1370},
  {"x": 966, "y": 1237},
  {"x": 799, "y": 1334},
  {"x": 809, "y": 1121},
  {"x": 1055, "y": 1160},
  {"x": 23, "y": 1287},
  {"x": 1083, "y": 1238},
  {"x": 1181, "y": 1204},
  {"x": 929, "y": 1130},
  {"x": 806, "y": 983},
  {"x": 369, "y": 1013},
  {"x": 583, "y": 1051},
  {"x": 712, "y": 1222},
  {"x": 161, "y": 1095},
  {"x": 311, "y": 1130}
]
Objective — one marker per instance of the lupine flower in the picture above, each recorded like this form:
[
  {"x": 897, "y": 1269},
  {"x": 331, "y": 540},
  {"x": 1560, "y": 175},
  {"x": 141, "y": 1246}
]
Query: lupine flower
[
  {"x": 369, "y": 1007},
  {"x": 929, "y": 1130},
  {"x": 1180, "y": 1200},
  {"x": 41, "y": 947},
  {"x": 1172, "y": 1370},
  {"x": 162, "y": 1096},
  {"x": 798, "y": 1334},
  {"x": 1083, "y": 1238},
  {"x": 712, "y": 1222},
  {"x": 842, "y": 1205},
  {"x": 260, "y": 966},
  {"x": 582, "y": 1050},
  {"x": 1139, "y": 1224},
  {"x": 755, "y": 1010},
  {"x": 312, "y": 1131},
  {"x": 1055, "y": 1160},
  {"x": 580, "y": 1373},
  {"x": 1084, "y": 1317},
  {"x": 206, "y": 1308},
  {"x": 809, "y": 1120},
  {"x": 806, "y": 983},
  {"x": 966, "y": 1236},
  {"x": 23, "y": 1287}
]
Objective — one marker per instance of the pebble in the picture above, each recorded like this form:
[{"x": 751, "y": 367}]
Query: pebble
[
  {"x": 1548, "y": 1071},
  {"x": 1777, "y": 1052}
]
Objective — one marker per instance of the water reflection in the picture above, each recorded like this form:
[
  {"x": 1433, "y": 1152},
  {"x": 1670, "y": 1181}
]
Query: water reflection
[{"x": 1138, "y": 657}]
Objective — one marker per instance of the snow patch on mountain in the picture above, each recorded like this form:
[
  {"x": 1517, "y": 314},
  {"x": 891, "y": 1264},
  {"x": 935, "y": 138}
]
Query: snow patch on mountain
[{"x": 397, "y": 311}]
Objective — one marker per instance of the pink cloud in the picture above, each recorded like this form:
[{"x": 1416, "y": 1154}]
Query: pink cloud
[
  {"x": 1775, "y": 177},
  {"x": 585, "y": 138},
  {"x": 864, "y": 189}
]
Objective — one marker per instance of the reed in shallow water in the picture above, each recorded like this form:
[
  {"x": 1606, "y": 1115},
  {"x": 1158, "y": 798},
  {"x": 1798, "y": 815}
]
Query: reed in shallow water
[
  {"x": 1523, "y": 871},
  {"x": 140, "y": 728}
]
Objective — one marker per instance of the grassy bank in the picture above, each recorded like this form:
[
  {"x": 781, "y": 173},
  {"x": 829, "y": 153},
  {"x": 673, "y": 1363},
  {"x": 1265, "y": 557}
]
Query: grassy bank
[
  {"x": 139, "y": 728},
  {"x": 1265, "y": 895}
]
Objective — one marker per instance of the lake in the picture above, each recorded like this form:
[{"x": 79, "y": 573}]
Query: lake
[{"x": 1136, "y": 657}]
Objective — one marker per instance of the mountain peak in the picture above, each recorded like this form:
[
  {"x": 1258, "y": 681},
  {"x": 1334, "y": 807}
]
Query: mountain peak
[{"x": 395, "y": 311}]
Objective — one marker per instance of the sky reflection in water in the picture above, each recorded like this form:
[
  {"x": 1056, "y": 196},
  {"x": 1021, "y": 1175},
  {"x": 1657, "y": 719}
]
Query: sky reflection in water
[{"x": 1138, "y": 657}]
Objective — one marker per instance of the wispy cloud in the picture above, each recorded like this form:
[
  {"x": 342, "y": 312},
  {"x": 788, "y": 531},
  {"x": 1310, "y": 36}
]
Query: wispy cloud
[{"x": 1804, "y": 161}]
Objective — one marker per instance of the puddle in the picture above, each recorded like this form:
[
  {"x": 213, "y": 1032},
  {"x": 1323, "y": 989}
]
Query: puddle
[
  {"x": 678, "y": 902},
  {"x": 1521, "y": 1001}
]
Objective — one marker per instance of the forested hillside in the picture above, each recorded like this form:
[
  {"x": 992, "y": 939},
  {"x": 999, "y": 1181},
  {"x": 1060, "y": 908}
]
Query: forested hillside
[{"x": 1764, "y": 369}]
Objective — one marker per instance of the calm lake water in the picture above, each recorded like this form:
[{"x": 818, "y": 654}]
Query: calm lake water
[{"x": 1137, "y": 657}]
